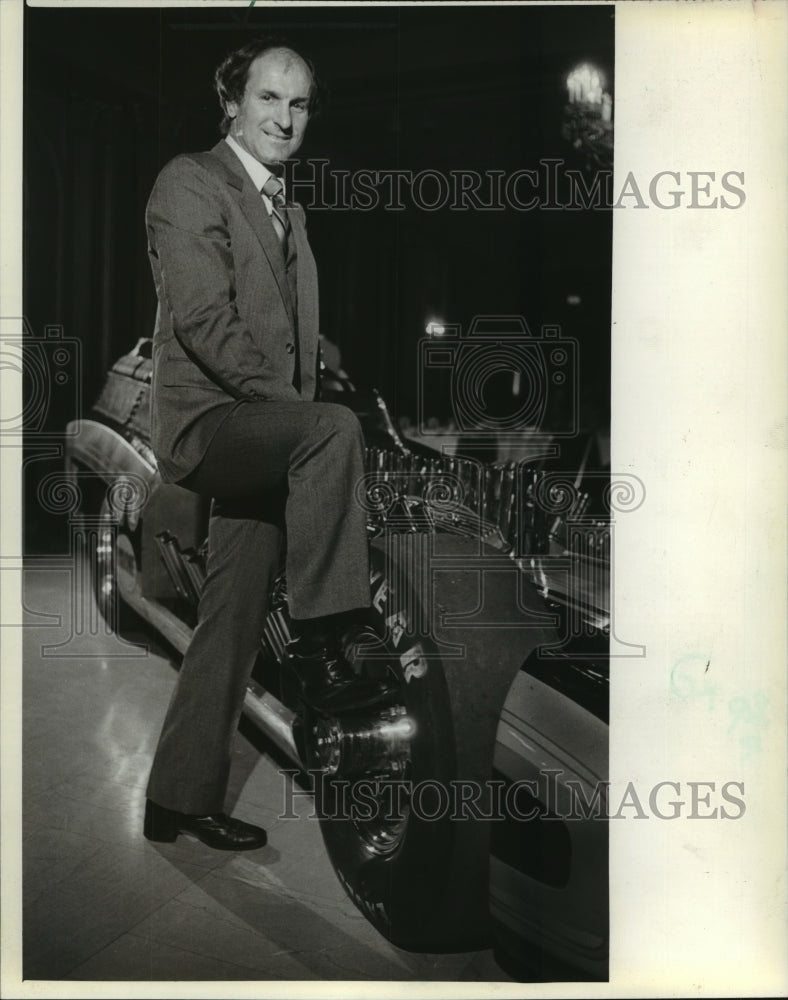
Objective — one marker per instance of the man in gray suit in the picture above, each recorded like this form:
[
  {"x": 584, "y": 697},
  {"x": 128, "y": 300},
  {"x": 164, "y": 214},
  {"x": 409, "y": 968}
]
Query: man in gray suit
[{"x": 235, "y": 418}]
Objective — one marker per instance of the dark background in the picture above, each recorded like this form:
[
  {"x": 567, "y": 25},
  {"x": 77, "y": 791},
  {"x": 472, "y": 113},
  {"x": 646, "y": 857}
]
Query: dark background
[{"x": 112, "y": 94}]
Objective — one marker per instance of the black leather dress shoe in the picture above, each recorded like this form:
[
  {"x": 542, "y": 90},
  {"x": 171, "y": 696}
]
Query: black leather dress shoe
[
  {"x": 328, "y": 682},
  {"x": 218, "y": 831}
]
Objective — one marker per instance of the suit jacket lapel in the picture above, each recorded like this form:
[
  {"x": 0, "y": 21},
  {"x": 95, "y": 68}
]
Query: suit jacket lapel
[
  {"x": 251, "y": 204},
  {"x": 306, "y": 282}
]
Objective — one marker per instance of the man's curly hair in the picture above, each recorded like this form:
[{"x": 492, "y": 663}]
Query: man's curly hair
[{"x": 233, "y": 72}]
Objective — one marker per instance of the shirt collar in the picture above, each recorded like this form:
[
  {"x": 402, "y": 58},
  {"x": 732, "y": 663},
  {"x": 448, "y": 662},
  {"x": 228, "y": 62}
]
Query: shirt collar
[{"x": 258, "y": 171}]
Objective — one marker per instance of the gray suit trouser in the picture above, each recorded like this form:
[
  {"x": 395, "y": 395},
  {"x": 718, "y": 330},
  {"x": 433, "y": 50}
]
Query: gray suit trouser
[{"x": 274, "y": 470}]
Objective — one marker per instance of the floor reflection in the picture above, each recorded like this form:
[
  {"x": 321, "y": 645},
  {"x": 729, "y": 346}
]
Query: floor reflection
[{"x": 100, "y": 902}]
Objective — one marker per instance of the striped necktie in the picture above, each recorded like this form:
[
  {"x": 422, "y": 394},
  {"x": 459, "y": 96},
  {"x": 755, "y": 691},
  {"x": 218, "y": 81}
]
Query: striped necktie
[{"x": 274, "y": 190}]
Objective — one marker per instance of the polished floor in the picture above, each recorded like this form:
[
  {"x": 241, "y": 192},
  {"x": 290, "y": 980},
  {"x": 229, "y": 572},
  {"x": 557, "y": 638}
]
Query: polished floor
[{"x": 100, "y": 902}]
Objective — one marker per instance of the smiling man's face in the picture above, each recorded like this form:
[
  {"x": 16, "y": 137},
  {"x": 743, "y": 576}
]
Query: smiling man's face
[{"x": 270, "y": 121}]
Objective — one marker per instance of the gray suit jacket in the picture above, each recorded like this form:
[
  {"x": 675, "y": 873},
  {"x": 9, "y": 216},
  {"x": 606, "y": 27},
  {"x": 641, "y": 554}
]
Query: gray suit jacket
[{"x": 226, "y": 327}]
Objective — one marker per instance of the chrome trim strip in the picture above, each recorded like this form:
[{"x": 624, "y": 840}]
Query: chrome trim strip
[{"x": 273, "y": 718}]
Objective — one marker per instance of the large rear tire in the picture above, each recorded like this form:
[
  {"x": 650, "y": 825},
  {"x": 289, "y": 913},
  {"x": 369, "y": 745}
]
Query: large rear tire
[{"x": 411, "y": 851}]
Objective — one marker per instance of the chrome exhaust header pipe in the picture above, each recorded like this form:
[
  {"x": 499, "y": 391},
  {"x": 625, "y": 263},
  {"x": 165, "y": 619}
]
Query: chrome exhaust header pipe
[{"x": 274, "y": 720}]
